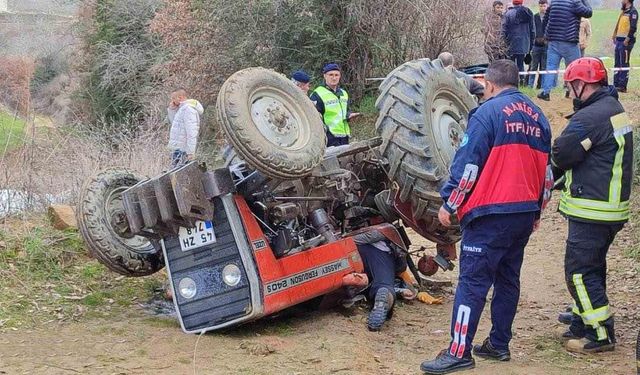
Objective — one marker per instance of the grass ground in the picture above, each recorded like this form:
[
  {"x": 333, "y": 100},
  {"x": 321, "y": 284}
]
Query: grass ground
[
  {"x": 46, "y": 276},
  {"x": 12, "y": 131}
]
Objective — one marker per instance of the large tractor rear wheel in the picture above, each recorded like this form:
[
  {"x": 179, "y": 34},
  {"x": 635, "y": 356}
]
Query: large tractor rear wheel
[{"x": 423, "y": 109}]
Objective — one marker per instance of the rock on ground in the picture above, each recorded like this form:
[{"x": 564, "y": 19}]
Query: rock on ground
[{"x": 63, "y": 217}]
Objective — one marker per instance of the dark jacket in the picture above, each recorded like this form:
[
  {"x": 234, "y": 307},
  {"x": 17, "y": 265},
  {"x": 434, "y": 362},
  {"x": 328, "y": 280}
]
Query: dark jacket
[
  {"x": 588, "y": 147},
  {"x": 501, "y": 166},
  {"x": 562, "y": 23},
  {"x": 519, "y": 30},
  {"x": 539, "y": 41}
]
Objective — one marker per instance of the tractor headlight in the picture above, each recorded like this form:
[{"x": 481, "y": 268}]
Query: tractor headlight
[
  {"x": 231, "y": 275},
  {"x": 187, "y": 288}
]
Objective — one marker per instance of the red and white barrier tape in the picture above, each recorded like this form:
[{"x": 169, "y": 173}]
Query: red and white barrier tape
[
  {"x": 533, "y": 72},
  {"x": 541, "y": 72}
]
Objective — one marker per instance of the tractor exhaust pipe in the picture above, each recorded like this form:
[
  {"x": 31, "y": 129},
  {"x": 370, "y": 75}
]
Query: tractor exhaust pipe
[{"x": 320, "y": 221}]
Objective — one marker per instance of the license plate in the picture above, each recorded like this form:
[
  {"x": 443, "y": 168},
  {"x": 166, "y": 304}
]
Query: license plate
[{"x": 200, "y": 235}]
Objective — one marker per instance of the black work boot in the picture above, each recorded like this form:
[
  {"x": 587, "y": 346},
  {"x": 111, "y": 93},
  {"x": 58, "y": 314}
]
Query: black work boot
[
  {"x": 382, "y": 304},
  {"x": 486, "y": 350},
  {"x": 544, "y": 96},
  {"x": 445, "y": 363}
]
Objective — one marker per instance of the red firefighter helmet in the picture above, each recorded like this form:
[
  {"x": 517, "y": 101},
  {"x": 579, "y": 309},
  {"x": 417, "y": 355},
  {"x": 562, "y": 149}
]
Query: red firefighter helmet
[{"x": 586, "y": 69}]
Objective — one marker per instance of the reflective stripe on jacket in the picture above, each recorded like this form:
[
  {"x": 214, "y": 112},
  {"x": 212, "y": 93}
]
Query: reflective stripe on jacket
[{"x": 596, "y": 152}]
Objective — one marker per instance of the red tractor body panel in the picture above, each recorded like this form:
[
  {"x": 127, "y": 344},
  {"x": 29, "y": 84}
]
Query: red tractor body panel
[{"x": 300, "y": 277}]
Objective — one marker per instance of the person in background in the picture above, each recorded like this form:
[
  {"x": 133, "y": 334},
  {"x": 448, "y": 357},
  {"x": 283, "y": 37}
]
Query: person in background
[
  {"x": 585, "y": 35},
  {"x": 302, "y": 80},
  {"x": 624, "y": 37},
  {"x": 562, "y": 30},
  {"x": 539, "y": 51},
  {"x": 494, "y": 45},
  {"x": 475, "y": 88},
  {"x": 332, "y": 102},
  {"x": 184, "y": 116},
  {"x": 519, "y": 32}
]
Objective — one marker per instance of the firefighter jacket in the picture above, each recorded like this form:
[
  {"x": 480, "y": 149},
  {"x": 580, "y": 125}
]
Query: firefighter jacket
[
  {"x": 502, "y": 165},
  {"x": 596, "y": 152},
  {"x": 334, "y": 108}
]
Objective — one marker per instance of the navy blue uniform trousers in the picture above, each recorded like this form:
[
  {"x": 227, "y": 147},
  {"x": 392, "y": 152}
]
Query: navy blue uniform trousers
[
  {"x": 622, "y": 58},
  {"x": 491, "y": 254},
  {"x": 332, "y": 140},
  {"x": 381, "y": 267}
]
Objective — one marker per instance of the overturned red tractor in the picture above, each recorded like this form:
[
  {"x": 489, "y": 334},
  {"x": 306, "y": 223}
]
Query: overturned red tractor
[{"x": 275, "y": 226}]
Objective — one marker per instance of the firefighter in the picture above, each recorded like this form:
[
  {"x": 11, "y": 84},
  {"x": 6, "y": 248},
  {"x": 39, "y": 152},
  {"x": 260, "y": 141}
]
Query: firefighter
[
  {"x": 500, "y": 178},
  {"x": 595, "y": 153},
  {"x": 332, "y": 102}
]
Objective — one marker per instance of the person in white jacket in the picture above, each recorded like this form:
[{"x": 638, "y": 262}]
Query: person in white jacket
[{"x": 184, "y": 116}]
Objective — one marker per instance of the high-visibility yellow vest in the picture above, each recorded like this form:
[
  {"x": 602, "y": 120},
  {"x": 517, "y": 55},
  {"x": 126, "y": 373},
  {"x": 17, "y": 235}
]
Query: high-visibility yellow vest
[{"x": 335, "y": 111}]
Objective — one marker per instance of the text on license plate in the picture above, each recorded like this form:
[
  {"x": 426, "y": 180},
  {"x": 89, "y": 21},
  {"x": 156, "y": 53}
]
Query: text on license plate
[{"x": 200, "y": 235}]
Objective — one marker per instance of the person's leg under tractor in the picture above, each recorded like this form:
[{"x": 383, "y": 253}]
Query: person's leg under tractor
[
  {"x": 379, "y": 266},
  {"x": 585, "y": 273}
]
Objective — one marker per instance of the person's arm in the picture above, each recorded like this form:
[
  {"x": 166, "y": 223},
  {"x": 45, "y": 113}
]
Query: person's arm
[
  {"x": 475, "y": 88},
  {"x": 171, "y": 114},
  {"x": 504, "y": 31},
  {"x": 192, "y": 128},
  {"x": 545, "y": 21},
  {"x": 532, "y": 32},
  {"x": 484, "y": 29},
  {"x": 571, "y": 148},
  {"x": 633, "y": 19},
  {"x": 467, "y": 164},
  {"x": 583, "y": 9},
  {"x": 351, "y": 115}
]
